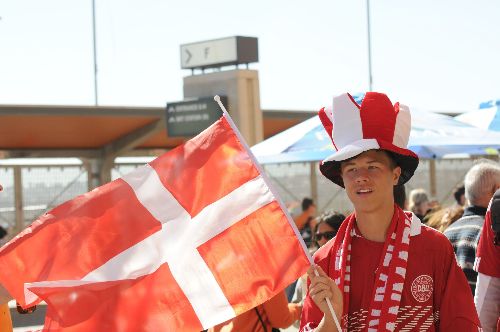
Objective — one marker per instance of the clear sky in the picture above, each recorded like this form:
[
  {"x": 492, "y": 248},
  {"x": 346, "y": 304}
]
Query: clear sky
[{"x": 431, "y": 54}]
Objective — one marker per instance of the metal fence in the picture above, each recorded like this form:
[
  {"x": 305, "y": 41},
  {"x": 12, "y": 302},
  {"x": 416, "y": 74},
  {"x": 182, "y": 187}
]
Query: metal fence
[
  {"x": 41, "y": 188},
  {"x": 46, "y": 186}
]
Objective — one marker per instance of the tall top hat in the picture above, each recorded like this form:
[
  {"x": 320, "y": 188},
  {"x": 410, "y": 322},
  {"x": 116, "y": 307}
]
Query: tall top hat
[{"x": 375, "y": 124}]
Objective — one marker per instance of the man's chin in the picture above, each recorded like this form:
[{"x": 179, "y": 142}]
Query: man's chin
[{"x": 366, "y": 206}]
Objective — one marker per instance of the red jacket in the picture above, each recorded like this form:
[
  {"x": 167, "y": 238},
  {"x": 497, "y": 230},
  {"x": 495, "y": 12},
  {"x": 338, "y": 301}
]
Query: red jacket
[{"x": 448, "y": 307}]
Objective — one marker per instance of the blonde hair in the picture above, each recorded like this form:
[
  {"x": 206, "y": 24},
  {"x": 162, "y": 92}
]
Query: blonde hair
[
  {"x": 416, "y": 198},
  {"x": 452, "y": 214},
  {"x": 442, "y": 218}
]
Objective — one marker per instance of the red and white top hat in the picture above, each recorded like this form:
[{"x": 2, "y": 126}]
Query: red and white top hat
[{"x": 375, "y": 124}]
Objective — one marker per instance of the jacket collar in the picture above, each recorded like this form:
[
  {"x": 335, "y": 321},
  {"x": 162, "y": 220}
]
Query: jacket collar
[
  {"x": 474, "y": 210},
  {"x": 416, "y": 225}
]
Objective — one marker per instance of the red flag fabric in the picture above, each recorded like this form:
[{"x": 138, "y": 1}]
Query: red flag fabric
[{"x": 188, "y": 241}]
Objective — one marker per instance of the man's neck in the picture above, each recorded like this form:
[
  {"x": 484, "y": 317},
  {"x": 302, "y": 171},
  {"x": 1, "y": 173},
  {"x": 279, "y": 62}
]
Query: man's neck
[{"x": 374, "y": 225}]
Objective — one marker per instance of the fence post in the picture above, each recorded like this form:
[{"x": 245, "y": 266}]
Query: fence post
[
  {"x": 18, "y": 199},
  {"x": 432, "y": 174},
  {"x": 314, "y": 182}
]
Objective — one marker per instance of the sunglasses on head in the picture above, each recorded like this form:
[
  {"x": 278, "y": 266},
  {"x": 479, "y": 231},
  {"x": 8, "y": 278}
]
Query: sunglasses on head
[{"x": 326, "y": 235}]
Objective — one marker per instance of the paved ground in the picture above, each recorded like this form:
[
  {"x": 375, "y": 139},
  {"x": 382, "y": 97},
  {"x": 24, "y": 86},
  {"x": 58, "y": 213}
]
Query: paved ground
[
  {"x": 27, "y": 322},
  {"x": 28, "y": 328},
  {"x": 39, "y": 327}
]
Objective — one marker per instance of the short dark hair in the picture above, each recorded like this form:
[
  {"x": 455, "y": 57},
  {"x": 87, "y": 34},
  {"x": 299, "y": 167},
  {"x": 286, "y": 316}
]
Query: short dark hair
[
  {"x": 400, "y": 195},
  {"x": 391, "y": 155},
  {"x": 458, "y": 193},
  {"x": 392, "y": 158},
  {"x": 306, "y": 203},
  {"x": 332, "y": 218}
]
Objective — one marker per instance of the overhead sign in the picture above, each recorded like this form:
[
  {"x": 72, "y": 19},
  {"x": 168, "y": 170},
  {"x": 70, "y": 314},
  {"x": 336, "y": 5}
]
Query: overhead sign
[
  {"x": 219, "y": 52},
  {"x": 189, "y": 118}
]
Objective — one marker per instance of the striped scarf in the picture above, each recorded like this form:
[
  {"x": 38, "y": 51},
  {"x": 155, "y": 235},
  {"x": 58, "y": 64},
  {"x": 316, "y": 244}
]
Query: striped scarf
[{"x": 390, "y": 274}]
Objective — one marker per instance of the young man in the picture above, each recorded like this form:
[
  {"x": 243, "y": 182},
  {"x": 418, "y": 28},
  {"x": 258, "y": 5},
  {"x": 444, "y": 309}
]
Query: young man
[{"x": 384, "y": 271}]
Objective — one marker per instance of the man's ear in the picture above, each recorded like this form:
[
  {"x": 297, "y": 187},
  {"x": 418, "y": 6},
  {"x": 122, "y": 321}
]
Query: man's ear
[{"x": 396, "y": 173}]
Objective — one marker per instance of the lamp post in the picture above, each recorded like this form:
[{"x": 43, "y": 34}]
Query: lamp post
[
  {"x": 370, "y": 78},
  {"x": 95, "y": 53}
]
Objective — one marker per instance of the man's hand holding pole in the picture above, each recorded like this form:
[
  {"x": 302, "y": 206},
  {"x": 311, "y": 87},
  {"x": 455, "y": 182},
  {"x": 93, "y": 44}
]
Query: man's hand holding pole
[{"x": 327, "y": 296}]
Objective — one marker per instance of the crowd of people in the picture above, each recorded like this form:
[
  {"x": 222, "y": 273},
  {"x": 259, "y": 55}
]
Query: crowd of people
[
  {"x": 396, "y": 262},
  {"x": 403, "y": 262}
]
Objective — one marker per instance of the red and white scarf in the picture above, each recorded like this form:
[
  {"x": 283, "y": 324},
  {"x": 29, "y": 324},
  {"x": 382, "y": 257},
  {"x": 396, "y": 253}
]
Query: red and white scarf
[{"x": 390, "y": 274}]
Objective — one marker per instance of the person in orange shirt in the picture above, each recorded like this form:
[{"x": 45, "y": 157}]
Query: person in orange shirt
[
  {"x": 305, "y": 221},
  {"x": 275, "y": 313},
  {"x": 5, "y": 320}
]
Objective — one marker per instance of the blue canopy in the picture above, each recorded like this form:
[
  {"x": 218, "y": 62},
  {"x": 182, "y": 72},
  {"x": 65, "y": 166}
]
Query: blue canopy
[
  {"x": 432, "y": 136},
  {"x": 486, "y": 117}
]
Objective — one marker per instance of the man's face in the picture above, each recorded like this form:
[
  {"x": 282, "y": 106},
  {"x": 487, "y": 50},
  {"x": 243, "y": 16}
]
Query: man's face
[
  {"x": 369, "y": 180},
  {"x": 462, "y": 200}
]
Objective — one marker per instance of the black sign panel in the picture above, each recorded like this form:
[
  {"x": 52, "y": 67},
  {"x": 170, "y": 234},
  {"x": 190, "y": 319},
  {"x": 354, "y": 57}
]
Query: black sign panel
[{"x": 189, "y": 118}]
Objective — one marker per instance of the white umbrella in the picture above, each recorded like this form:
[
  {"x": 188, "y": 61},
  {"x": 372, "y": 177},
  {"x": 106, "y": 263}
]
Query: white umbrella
[
  {"x": 486, "y": 117},
  {"x": 432, "y": 136}
]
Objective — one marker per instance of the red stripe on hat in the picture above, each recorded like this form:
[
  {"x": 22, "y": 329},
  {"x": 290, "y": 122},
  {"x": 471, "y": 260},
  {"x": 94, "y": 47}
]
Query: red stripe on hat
[
  {"x": 378, "y": 117},
  {"x": 327, "y": 124},
  {"x": 394, "y": 148},
  {"x": 215, "y": 151}
]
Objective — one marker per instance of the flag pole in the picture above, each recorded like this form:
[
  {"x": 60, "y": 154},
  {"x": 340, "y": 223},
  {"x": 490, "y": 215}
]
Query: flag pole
[
  {"x": 370, "y": 77},
  {"x": 264, "y": 176},
  {"x": 278, "y": 198}
]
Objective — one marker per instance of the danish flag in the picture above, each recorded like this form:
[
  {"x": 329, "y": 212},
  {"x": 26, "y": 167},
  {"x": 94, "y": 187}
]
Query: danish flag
[{"x": 188, "y": 241}]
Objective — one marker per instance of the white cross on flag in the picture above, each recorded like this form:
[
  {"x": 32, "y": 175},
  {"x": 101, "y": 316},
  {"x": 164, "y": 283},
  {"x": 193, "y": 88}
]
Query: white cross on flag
[{"x": 185, "y": 242}]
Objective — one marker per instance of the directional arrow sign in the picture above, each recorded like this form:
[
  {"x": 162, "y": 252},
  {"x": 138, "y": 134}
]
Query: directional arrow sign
[
  {"x": 219, "y": 52},
  {"x": 189, "y": 56}
]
